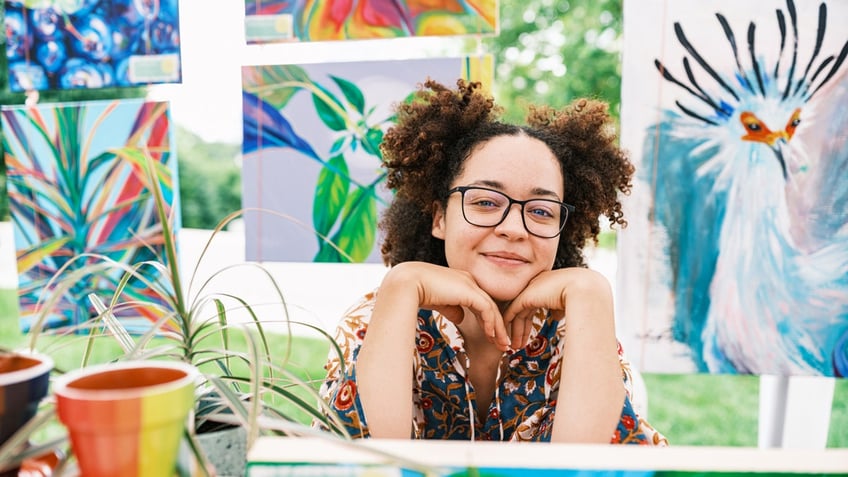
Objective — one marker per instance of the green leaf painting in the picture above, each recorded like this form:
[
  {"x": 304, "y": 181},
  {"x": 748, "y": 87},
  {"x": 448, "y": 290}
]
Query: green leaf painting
[
  {"x": 77, "y": 189},
  {"x": 311, "y": 150}
]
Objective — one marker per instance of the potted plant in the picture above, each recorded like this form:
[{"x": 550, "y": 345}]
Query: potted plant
[{"x": 240, "y": 388}]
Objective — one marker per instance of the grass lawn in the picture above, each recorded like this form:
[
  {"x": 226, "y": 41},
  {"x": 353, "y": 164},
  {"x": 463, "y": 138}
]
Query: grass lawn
[{"x": 688, "y": 409}]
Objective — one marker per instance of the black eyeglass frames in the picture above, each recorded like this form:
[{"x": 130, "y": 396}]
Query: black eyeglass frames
[{"x": 484, "y": 207}]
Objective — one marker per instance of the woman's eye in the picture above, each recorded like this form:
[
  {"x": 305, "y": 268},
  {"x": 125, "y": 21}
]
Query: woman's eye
[{"x": 541, "y": 213}]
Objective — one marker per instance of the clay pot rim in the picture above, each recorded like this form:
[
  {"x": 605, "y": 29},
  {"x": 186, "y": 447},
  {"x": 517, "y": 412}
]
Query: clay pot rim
[
  {"x": 62, "y": 389},
  {"x": 44, "y": 366}
]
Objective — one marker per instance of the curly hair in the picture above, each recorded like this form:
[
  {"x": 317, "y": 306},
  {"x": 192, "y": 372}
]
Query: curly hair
[{"x": 439, "y": 129}]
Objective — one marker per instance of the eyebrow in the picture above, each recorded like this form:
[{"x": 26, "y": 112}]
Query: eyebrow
[{"x": 500, "y": 186}]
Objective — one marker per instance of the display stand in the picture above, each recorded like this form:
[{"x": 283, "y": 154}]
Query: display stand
[{"x": 795, "y": 411}]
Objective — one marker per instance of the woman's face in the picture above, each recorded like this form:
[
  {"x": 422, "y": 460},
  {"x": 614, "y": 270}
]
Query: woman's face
[{"x": 504, "y": 258}]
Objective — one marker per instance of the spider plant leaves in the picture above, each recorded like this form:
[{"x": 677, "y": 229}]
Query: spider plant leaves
[{"x": 18, "y": 447}]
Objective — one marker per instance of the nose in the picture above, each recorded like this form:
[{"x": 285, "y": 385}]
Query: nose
[{"x": 512, "y": 223}]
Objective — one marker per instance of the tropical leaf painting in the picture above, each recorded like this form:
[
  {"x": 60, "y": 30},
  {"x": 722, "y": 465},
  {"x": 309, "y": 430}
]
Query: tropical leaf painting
[
  {"x": 60, "y": 44},
  {"x": 736, "y": 257},
  {"x": 315, "y": 20},
  {"x": 78, "y": 193},
  {"x": 311, "y": 152}
]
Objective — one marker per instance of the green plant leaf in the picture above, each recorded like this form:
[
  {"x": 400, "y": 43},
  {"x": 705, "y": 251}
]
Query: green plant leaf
[
  {"x": 330, "y": 194},
  {"x": 371, "y": 142},
  {"x": 351, "y": 92},
  {"x": 329, "y": 254},
  {"x": 359, "y": 225},
  {"x": 339, "y": 144},
  {"x": 328, "y": 114}
]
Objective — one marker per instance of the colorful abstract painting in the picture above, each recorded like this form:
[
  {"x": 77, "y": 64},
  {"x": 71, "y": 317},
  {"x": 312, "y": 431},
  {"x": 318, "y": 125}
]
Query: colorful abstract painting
[
  {"x": 311, "y": 152},
  {"x": 60, "y": 44},
  {"x": 78, "y": 195},
  {"x": 269, "y": 21},
  {"x": 736, "y": 257}
]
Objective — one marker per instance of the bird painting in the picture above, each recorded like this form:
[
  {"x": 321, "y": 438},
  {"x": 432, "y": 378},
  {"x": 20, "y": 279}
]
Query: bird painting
[{"x": 747, "y": 166}]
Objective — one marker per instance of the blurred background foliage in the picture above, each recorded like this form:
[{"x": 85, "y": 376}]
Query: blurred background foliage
[
  {"x": 547, "y": 52},
  {"x": 553, "y": 51}
]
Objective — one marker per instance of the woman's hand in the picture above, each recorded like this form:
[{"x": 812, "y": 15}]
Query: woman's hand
[
  {"x": 591, "y": 389},
  {"x": 451, "y": 292},
  {"x": 555, "y": 290}
]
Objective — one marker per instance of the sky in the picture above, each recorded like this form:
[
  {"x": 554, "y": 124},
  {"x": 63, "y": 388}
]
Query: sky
[{"x": 213, "y": 49}]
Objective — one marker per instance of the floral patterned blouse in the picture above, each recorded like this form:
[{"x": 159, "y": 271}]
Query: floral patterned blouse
[{"x": 444, "y": 403}]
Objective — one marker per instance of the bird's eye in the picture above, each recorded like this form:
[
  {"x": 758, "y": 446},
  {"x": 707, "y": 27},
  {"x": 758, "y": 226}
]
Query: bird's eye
[
  {"x": 793, "y": 123},
  {"x": 751, "y": 122}
]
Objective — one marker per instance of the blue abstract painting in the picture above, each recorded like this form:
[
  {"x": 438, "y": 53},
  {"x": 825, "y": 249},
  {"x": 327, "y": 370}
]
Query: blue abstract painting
[{"x": 54, "y": 44}]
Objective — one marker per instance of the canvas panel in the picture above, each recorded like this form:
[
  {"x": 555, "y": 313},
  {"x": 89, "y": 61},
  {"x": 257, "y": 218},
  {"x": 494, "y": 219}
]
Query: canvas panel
[
  {"x": 736, "y": 255},
  {"x": 91, "y": 43},
  {"x": 311, "y": 152},
  {"x": 78, "y": 197},
  {"x": 269, "y": 21}
]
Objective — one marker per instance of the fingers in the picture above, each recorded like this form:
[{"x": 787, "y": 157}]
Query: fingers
[
  {"x": 452, "y": 292},
  {"x": 499, "y": 337},
  {"x": 520, "y": 326}
]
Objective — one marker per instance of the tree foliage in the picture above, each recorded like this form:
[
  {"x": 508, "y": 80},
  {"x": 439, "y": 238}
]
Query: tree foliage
[
  {"x": 553, "y": 51},
  {"x": 210, "y": 180}
]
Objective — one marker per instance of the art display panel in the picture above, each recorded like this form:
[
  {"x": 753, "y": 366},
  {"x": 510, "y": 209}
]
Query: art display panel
[
  {"x": 268, "y": 21},
  {"x": 735, "y": 259},
  {"x": 311, "y": 152},
  {"x": 284, "y": 456},
  {"x": 56, "y": 45},
  {"x": 78, "y": 195}
]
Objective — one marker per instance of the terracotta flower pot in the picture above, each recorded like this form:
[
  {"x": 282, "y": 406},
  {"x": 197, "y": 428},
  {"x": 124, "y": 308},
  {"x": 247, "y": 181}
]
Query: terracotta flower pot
[
  {"x": 24, "y": 379},
  {"x": 126, "y": 418}
]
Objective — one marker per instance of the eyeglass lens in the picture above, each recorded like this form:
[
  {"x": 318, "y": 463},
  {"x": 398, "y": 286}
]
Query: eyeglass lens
[{"x": 488, "y": 208}]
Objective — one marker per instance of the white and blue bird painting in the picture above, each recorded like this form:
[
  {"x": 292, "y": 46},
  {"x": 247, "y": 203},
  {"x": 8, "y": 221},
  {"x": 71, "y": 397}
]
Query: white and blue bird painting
[{"x": 748, "y": 167}]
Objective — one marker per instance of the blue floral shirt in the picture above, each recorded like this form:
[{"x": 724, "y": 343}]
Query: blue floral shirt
[{"x": 444, "y": 402}]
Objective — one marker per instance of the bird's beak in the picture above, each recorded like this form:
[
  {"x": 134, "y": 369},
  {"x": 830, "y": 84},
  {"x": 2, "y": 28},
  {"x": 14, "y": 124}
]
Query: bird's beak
[
  {"x": 778, "y": 136},
  {"x": 778, "y": 145}
]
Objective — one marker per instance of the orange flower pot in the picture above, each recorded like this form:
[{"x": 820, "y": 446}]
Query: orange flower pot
[{"x": 126, "y": 418}]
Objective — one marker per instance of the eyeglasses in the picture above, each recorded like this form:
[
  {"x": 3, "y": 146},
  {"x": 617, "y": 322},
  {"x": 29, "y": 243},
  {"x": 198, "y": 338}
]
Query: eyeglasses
[{"x": 484, "y": 207}]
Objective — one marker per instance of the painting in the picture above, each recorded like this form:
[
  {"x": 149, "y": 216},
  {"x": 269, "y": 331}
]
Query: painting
[
  {"x": 53, "y": 44},
  {"x": 268, "y": 21},
  {"x": 311, "y": 157},
  {"x": 78, "y": 197},
  {"x": 735, "y": 260}
]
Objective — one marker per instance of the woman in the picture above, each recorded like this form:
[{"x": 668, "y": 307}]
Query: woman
[{"x": 488, "y": 325}]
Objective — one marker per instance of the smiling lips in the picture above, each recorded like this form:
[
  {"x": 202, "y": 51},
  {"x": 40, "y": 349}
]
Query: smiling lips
[{"x": 505, "y": 257}]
